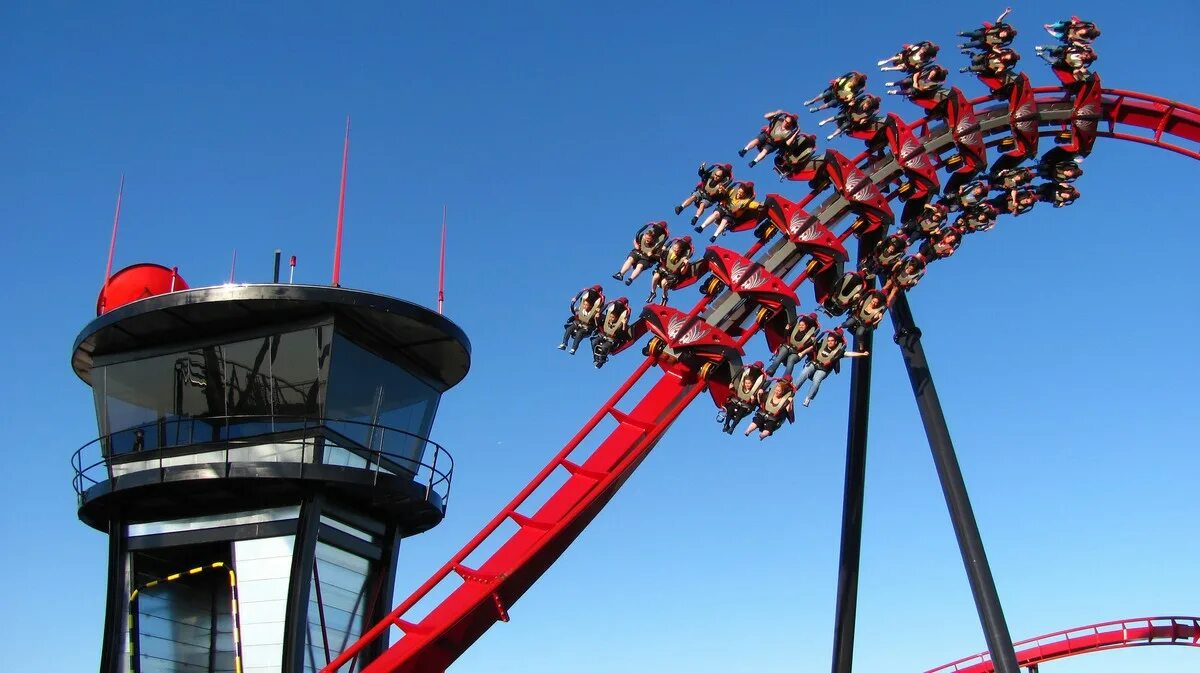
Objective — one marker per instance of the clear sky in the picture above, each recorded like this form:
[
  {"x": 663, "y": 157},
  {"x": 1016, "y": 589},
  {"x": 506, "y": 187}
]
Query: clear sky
[{"x": 1062, "y": 342}]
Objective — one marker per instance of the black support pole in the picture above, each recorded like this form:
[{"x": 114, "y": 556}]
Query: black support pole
[
  {"x": 852, "y": 508},
  {"x": 979, "y": 573}
]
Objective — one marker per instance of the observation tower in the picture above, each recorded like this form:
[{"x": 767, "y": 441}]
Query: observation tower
[{"x": 262, "y": 451}]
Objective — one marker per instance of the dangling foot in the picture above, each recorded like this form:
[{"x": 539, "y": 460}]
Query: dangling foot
[
  {"x": 712, "y": 239},
  {"x": 651, "y": 298},
  {"x": 806, "y": 401},
  {"x": 698, "y": 228},
  {"x": 741, "y": 153},
  {"x": 572, "y": 351},
  {"x": 678, "y": 209},
  {"x": 562, "y": 347},
  {"x": 753, "y": 162},
  {"x": 617, "y": 275},
  {"x": 628, "y": 282}
]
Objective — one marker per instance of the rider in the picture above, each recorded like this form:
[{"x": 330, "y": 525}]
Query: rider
[
  {"x": 585, "y": 317},
  {"x": 801, "y": 339},
  {"x": 990, "y": 35},
  {"x": 926, "y": 83},
  {"x": 1012, "y": 178},
  {"x": 648, "y": 244},
  {"x": 774, "y": 406},
  {"x": 859, "y": 115},
  {"x": 612, "y": 331},
  {"x": 942, "y": 244},
  {"x": 674, "y": 264},
  {"x": 1071, "y": 57},
  {"x": 1016, "y": 201},
  {"x": 739, "y": 204},
  {"x": 824, "y": 360},
  {"x": 712, "y": 187},
  {"x": 841, "y": 91},
  {"x": 995, "y": 62},
  {"x": 781, "y": 129},
  {"x": 1057, "y": 194},
  {"x": 867, "y": 313},
  {"x": 797, "y": 156},
  {"x": 911, "y": 58},
  {"x": 1073, "y": 31},
  {"x": 905, "y": 278},
  {"x": 932, "y": 216},
  {"x": 1059, "y": 165},
  {"x": 981, "y": 217},
  {"x": 743, "y": 395}
]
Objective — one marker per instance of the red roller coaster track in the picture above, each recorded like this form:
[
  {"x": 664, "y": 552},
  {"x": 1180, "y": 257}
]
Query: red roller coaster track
[
  {"x": 486, "y": 593},
  {"x": 1138, "y": 632}
]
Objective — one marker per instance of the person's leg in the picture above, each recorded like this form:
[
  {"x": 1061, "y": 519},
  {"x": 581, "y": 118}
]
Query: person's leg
[
  {"x": 792, "y": 360},
  {"x": 567, "y": 332},
  {"x": 749, "y": 146},
  {"x": 781, "y": 354},
  {"x": 761, "y": 155},
  {"x": 580, "y": 333},
  {"x": 637, "y": 270},
  {"x": 817, "y": 378}
]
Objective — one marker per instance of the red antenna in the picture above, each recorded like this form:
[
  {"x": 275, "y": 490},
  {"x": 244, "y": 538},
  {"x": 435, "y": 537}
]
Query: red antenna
[
  {"x": 112, "y": 244},
  {"x": 337, "y": 246},
  {"x": 442, "y": 266}
]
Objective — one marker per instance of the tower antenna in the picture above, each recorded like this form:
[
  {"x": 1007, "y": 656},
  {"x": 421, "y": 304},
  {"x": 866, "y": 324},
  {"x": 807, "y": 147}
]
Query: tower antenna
[
  {"x": 442, "y": 266},
  {"x": 337, "y": 245},
  {"x": 112, "y": 244}
]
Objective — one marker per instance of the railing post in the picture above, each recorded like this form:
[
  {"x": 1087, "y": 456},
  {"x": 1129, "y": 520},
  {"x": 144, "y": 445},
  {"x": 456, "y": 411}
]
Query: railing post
[{"x": 432, "y": 472}]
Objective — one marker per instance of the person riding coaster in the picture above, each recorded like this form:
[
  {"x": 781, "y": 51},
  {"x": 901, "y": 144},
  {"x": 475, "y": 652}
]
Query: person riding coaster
[
  {"x": 825, "y": 359},
  {"x": 674, "y": 265},
  {"x": 910, "y": 272},
  {"x": 775, "y": 405},
  {"x": 866, "y": 313},
  {"x": 1073, "y": 31},
  {"x": 930, "y": 218},
  {"x": 782, "y": 129},
  {"x": 1012, "y": 178},
  {"x": 1057, "y": 194},
  {"x": 997, "y": 62},
  {"x": 840, "y": 92},
  {"x": 886, "y": 256},
  {"x": 981, "y": 217},
  {"x": 924, "y": 84},
  {"x": 711, "y": 189},
  {"x": 911, "y": 58},
  {"x": 858, "y": 119},
  {"x": 743, "y": 396},
  {"x": 942, "y": 244},
  {"x": 970, "y": 194},
  {"x": 585, "y": 317},
  {"x": 739, "y": 206},
  {"x": 1059, "y": 165},
  {"x": 998, "y": 34},
  {"x": 648, "y": 244},
  {"x": 1075, "y": 59},
  {"x": 612, "y": 331},
  {"x": 1016, "y": 201},
  {"x": 797, "y": 158},
  {"x": 800, "y": 341}
]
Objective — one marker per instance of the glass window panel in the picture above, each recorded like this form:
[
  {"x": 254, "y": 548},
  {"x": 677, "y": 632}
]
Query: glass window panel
[
  {"x": 337, "y": 605},
  {"x": 369, "y": 390}
]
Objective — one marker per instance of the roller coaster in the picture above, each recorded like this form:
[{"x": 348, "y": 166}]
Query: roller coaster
[{"x": 700, "y": 350}]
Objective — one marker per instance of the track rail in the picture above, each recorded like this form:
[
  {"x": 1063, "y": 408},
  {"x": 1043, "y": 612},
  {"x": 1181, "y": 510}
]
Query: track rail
[
  {"x": 1137, "y": 632},
  {"x": 485, "y": 594}
]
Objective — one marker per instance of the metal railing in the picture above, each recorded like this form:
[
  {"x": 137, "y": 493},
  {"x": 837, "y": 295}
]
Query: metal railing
[{"x": 369, "y": 446}]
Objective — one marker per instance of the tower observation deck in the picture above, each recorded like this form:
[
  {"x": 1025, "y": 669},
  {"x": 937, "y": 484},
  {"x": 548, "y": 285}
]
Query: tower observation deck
[{"x": 263, "y": 450}]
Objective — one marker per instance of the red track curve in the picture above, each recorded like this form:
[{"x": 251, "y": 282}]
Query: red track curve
[
  {"x": 486, "y": 593},
  {"x": 1138, "y": 632}
]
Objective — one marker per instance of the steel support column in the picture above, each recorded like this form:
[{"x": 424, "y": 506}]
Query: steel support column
[
  {"x": 852, "y": 508},
  {"x": 979, "y": 573}
]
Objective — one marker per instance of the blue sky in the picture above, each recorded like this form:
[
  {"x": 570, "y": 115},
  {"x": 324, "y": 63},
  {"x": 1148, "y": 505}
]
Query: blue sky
[{"x": 1061, "y": 341}]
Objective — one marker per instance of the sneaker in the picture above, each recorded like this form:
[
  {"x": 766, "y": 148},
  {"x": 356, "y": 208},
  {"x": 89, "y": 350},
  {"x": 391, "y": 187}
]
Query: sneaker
[
  {"x": 678, "y": 209},
  {"x": 753, "y": 162},
  {"x": 572, "y": 351},
  {"x": 741, "y": 153},
  {"x": 698, "y": 228},
  {"x": 617, "y": 275},
  {"x": 806, "y": 401},
  {"x": 562, "y": 347},
  {"x": 628, "y": 281},
  {"x": 712, "y": 239},
  {"x": 695, "y": 219}
]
